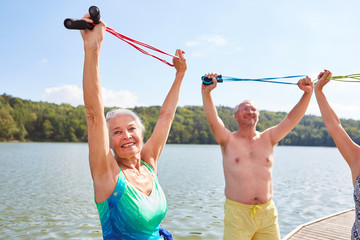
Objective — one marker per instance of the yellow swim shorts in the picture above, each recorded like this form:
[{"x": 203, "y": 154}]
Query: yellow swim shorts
[{"x": 250, "y": 222}]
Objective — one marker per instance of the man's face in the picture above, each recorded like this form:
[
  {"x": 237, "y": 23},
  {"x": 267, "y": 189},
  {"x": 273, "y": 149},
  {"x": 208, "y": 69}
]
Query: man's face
[{"x": 247, "y": 114}]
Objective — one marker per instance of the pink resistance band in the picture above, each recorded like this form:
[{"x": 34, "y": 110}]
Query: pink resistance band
[
  {"x": 94, "y": 13},
  {"x": 132, "y": 42}
]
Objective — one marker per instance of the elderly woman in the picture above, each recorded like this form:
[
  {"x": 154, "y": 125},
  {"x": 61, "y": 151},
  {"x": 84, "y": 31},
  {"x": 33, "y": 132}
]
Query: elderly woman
[
  {"x": 128, "y": 196},
  {"x": 348, "y": 149}
]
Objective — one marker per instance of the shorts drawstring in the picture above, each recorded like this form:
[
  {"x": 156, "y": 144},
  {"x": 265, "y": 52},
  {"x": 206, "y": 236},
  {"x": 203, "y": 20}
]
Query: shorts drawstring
[{"x": 253, "y": 210}]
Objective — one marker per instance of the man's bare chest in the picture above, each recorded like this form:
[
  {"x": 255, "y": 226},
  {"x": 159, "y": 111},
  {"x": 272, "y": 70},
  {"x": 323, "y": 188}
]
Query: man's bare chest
[{"x": 249, "y": 152}]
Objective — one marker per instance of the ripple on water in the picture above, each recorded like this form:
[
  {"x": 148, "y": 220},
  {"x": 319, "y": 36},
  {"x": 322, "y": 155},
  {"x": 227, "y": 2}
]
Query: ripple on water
[{"x": 47, "y": 192}]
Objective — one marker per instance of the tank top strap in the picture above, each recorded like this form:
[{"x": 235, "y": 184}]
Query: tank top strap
[
  {"x": 118, "y": 191},
  {"x": 152, "y": 171}
]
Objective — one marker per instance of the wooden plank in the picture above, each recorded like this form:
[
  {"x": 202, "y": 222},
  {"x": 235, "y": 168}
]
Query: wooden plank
[{"x": 334, "y": 227}]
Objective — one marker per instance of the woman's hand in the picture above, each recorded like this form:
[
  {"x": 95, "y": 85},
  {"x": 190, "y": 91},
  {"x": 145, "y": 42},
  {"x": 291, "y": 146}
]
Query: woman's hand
[
  {"x": 323, "y": 79},
  {"x": 180, "y": 63},
  {"x": 93, "y": 38}
]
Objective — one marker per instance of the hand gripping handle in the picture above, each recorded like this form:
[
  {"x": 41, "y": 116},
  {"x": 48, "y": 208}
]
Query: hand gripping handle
[
  {"x": 208, "y": 81},
  {"x": 82, "y": 24}
]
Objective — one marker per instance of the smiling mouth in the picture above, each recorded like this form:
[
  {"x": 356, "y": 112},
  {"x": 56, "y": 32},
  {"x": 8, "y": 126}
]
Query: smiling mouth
[
  {"x": 252, "y": 119},
  {"x": 127, "y": 145}
]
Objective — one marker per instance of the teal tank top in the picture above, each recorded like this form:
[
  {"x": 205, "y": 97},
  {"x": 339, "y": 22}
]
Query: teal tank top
[{"x": 129, "y": 214}]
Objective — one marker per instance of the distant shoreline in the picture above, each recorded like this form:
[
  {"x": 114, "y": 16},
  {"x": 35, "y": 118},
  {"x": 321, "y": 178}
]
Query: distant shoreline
[{"x": 27, "y": 121}]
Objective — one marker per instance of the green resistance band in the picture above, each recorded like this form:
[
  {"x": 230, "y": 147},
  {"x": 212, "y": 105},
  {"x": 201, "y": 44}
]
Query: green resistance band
[{"x": 347, "y": 78}]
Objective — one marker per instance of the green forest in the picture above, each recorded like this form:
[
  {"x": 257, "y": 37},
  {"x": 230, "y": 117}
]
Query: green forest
[{"x": 24, "y": 120}]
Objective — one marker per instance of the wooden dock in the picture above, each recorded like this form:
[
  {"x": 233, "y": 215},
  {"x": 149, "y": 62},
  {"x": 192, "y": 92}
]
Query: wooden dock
[{"x": 334, "y": 227}]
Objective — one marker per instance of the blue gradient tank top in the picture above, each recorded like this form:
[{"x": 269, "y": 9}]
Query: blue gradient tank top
[{"x": 129, "y": 214}]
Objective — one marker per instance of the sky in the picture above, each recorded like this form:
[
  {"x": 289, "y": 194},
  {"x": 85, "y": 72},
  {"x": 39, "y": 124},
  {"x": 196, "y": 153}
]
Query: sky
[{"x": 40, "y": 60}]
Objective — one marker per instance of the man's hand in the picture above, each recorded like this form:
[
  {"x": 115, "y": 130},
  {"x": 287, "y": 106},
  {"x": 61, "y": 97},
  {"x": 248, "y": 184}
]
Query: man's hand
[
  {"x": 210, "y": 87},
  {"x": 306, "y": 85}
]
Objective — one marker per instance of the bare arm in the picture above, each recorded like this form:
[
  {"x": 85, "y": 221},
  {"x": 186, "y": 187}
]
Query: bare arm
[
  {"x": 98, "y": 139},
  {"x": 221, "y": 133},
  {"x": 348, "y": 149},
  {"x": 279, "y": 131},
  {"x": 155, "y": 144}
]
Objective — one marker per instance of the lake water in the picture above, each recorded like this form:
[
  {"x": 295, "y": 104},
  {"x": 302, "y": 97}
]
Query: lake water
[{"x": 46, "y": 190}]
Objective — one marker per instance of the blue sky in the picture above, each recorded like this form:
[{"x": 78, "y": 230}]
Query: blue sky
[{"x": 42, "y": 61}]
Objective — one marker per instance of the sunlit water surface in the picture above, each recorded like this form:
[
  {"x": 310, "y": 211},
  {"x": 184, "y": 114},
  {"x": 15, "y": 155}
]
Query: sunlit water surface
[{"x": 46, "y": 190}]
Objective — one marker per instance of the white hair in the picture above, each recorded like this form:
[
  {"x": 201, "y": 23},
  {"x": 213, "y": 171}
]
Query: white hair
[
  {"x": 236, "y": 108},
  {"x": 120, "y": 111}
]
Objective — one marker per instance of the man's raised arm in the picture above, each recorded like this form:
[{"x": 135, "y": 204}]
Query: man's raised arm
[
  {"x": 221, "y": 133},
  {"x": 279, "y": 131}
]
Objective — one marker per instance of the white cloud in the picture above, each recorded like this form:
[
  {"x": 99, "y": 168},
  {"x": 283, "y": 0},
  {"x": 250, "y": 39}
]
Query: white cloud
[
  {"x": 206, "y": 39},
  {"x": 73, "y": 95},
  {"x": 123, "y": 99},
  {"x": 200, "y": 53},
  {"x": 191, "y": 43},
  {"x": 217, "y": 40},
  {"x": 206, "y": 44}
]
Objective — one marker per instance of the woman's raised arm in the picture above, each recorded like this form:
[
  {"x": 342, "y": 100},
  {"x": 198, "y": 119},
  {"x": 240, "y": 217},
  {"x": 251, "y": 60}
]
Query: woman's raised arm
[
  {"x": 347, "y": 147},
  {"x": 154, "y": 146},
  {"x": 98, "y": 136}
]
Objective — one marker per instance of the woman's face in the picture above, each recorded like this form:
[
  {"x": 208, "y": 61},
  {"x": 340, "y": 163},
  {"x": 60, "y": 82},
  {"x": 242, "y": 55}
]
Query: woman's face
[{"x": 125, "y": 136}]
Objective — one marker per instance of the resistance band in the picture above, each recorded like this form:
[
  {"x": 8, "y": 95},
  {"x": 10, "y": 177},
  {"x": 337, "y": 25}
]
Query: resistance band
[
  {"x": 129, "y": 40},
  {"x": 221, "y": 78},
  {"x": 95, "y": 16},
  {"x": 347, "y": 78}
]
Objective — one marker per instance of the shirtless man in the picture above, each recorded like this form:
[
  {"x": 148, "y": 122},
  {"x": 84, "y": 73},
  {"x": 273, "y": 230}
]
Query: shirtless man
[{"x": 248, "y": 157}]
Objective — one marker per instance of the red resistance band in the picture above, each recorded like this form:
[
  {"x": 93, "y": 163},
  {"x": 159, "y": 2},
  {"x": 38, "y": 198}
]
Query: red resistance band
[{"x": 132, "y": 41}]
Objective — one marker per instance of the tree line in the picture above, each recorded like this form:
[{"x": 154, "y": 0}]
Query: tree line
[{"x": 25, "y": 120}]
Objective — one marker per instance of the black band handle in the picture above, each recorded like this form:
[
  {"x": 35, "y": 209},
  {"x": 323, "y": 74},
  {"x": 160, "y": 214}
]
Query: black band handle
[
  {"x": 208, "y": 81},
  {"x": 82, "y": 24},
  {"x": 94, "y": 14},
  {"x": 77, "y": 24}
]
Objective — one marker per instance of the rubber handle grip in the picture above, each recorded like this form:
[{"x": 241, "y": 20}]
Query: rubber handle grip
[
  {"x": 94, "y": 14},
  {"x": 77, "y": 24},
  {"x": 82, "y": 24},
  {"x": 208, "y": 81}
]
